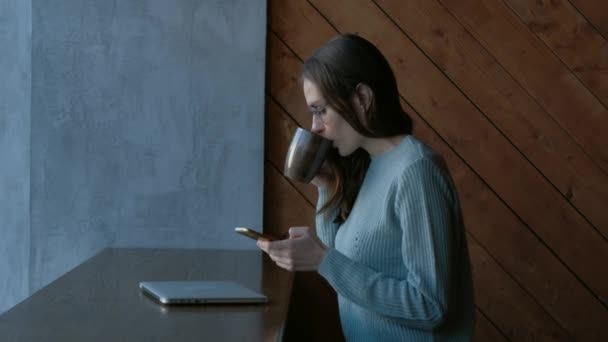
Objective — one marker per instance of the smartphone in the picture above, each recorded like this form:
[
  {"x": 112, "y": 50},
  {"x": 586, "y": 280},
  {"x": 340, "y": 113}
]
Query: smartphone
[{"x": 250, "y": 233}]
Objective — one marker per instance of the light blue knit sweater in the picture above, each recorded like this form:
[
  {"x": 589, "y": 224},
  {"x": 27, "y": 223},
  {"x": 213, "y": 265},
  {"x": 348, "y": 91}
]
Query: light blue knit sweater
[{"x": 400, "y": 263}]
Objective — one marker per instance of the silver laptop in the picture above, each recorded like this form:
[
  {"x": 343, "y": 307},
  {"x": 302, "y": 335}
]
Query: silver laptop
[{"x": 198, "y": 292}]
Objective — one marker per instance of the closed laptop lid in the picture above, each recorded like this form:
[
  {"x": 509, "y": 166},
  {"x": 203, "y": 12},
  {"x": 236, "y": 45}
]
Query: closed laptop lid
[{"x": 196, "y": 292}]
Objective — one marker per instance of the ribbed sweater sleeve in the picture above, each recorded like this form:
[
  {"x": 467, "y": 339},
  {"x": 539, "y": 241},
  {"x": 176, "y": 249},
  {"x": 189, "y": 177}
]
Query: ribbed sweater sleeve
[
  {"x": 325, "y": 228},
  {"x": 422, "y": 205}
]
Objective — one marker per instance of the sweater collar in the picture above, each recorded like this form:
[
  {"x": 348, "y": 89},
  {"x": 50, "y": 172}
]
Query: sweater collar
[{"x": 387, "y": 155}]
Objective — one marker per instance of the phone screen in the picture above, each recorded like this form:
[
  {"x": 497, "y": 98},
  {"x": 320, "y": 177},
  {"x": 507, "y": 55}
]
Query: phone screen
[{"x": 253, "y": 234}]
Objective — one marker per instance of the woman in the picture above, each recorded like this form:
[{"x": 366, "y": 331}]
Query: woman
[{"x": 389, "y": 233}]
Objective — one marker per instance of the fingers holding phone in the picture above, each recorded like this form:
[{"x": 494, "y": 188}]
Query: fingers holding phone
[{"x": 302, "y": 251}]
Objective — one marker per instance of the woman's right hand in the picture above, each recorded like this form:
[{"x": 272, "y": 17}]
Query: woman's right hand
[{"x": 324, "y": 177}]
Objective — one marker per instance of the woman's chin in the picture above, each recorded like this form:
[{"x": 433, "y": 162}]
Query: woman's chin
[{"x": 344, "y": 153}]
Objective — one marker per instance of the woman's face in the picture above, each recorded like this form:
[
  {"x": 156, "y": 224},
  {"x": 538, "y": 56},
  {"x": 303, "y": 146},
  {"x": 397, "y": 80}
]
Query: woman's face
[{"x": 328, "y": 123}]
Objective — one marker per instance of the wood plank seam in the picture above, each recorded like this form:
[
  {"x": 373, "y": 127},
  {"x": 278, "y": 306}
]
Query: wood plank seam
[
  {"x": 550, "y": 117},
  {"x": 505, "y": 136},
  {"x": 588, "y": 20},
  {"x": 291, "y": 184},
  {"x": 581, "y": 216},
  {"x": 479, "y": 311},
  {"x": 521, "y": 286},
  {"x": 560, "y": 58},
  {"x": 596, "y": 152}
]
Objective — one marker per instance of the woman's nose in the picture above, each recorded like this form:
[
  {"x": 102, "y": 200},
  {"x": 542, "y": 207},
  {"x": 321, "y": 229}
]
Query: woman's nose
[{"x": 317, "y": 124}]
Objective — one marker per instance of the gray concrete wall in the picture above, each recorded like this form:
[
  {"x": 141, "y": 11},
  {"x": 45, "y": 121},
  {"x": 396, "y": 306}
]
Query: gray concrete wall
[
  {"x": 147, "y": 126},
  {"x": 15, "y": 76}
]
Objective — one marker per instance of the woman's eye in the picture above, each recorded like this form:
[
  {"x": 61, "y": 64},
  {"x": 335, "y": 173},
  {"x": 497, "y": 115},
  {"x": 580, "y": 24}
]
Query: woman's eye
[{"x": 318, "y": 111}]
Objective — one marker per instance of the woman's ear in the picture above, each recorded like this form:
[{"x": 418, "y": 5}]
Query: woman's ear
[{"x": 364, "y": 96}]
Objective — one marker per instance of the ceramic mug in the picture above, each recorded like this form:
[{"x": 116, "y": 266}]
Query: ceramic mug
[{"x": 307, "y": 152}]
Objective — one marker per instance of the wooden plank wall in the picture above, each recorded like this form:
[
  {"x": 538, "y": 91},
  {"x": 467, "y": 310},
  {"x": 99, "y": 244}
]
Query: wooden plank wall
[{"x": 514, "y": 95}]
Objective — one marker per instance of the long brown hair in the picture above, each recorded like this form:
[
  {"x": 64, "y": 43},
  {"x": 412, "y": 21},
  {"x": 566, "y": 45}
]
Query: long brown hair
[{"x": 337, "y": 68}]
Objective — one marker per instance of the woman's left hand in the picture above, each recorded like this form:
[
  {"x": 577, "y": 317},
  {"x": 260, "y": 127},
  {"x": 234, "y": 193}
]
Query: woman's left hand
[{"x": 303, "y": 251}]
